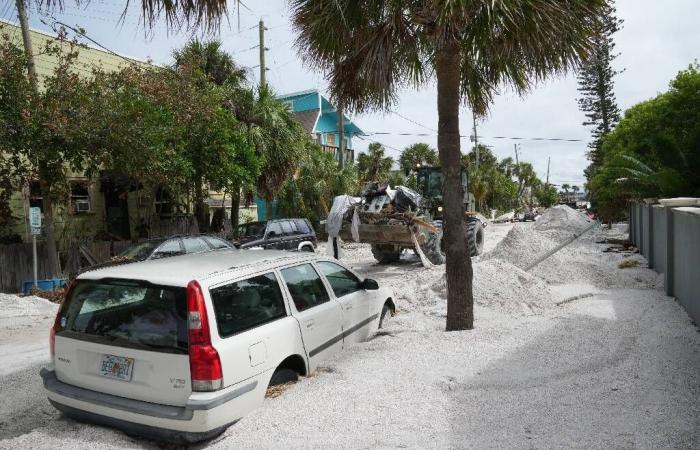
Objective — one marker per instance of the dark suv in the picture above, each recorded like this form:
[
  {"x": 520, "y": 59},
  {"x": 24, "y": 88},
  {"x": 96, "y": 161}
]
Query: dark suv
[{"x": 280, "y": 234}]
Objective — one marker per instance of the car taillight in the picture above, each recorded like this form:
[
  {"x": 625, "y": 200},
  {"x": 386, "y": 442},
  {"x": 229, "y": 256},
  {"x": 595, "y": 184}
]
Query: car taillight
[
  {"x": 205, "y": 365},
  {"x": 57, "y": 321}
]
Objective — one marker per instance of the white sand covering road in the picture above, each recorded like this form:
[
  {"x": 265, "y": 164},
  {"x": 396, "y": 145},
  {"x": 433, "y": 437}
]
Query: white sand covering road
[{"x": 618, "y": 368}]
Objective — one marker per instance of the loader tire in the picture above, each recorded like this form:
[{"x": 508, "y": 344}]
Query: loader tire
[
  {"x": 386, "y": 253},
  {"x": 432, "y": 249},
  {"x": 475, "y": 237}
]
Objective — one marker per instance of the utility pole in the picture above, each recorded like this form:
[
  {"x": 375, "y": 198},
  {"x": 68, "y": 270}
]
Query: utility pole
[
  {"x": 549, "y": 158},
  {"x": 516, "y": 154},
  {"x": 476, "y": 140},
  {"x": 27, "y": 40},
  {"x": 261, "y": 29}
]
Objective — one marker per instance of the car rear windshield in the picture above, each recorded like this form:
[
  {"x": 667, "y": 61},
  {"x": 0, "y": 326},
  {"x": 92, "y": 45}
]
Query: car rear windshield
[{"x": 128, "y": 314}]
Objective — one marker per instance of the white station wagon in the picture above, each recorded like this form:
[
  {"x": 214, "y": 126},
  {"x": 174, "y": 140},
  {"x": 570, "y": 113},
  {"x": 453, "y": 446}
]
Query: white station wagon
[{"x": 180, "y": 348}]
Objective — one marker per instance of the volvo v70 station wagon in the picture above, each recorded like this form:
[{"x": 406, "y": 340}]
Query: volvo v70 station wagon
[{"x": 180, "y": 348}]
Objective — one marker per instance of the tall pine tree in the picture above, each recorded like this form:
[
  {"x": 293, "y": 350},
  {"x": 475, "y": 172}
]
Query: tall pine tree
[{"x": 596, "y": 85}]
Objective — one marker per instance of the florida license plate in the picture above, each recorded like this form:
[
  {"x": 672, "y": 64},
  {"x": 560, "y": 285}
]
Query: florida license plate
[{"x": 117, "y": 367}]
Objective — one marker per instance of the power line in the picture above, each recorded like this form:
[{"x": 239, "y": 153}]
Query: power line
[
  {"x": 487, "y": 137},
  {"x": 414, "y": 122},
  {"x": 516, "y": 138}
]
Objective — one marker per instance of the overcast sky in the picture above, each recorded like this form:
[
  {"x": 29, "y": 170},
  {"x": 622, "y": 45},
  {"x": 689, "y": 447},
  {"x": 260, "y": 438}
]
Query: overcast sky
[{"x": 658, "y": 39}]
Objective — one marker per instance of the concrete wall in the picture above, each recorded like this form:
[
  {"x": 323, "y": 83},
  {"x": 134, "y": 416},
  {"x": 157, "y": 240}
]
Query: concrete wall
[
  {"x": 686, "y": 253},
  {"x": 659, "y": 241},
  {"x": 670, "y": 240}
]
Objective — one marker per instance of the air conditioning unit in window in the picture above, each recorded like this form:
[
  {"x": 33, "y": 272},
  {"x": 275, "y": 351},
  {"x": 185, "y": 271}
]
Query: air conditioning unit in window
[{"x": 82, "y": 206}]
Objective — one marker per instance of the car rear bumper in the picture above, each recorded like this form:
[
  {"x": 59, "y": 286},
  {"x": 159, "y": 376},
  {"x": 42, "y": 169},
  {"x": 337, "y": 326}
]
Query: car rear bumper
[
  {"x": 205, "y": 415},
  {"x": 138, "y": 429}
]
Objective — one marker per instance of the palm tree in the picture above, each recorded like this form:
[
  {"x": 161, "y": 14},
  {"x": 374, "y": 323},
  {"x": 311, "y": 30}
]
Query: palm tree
[
  {"x": 472, "y": 47},
  {"x": 417, "y": 155},
  {"x": 211, "y": 60},
  {"x": 575, "y": 190},
  {"x": 217, "y": 66},
  {"x": 281, "y": 140},
  {"x": 374, "y": 165}
]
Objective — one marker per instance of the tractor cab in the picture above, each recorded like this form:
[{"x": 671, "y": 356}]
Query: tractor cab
[{"x": 430, "y": 187}]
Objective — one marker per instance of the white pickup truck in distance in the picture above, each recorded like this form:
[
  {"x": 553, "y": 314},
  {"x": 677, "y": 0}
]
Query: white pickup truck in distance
[{"x": 178, "y": 349}]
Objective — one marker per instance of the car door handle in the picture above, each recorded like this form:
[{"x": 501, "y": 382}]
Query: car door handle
[
  {"x": 310, "y": 324},
  {"x": 348, "y": 307}
]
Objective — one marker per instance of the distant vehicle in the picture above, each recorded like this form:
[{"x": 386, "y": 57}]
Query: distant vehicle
[
  {"x": 529, "y": 215},
  {"x": 278, "y": 234},
  {"x": 173, "y": 246},
  {"x": 178, "y": 349}
]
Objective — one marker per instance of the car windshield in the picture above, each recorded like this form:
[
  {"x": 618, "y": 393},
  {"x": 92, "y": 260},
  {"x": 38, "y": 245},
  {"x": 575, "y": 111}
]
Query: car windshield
[
  {"x": 127, "y": 313},
  {"x": 252, "y": 229},
  {"x": 140, "y": 251}
]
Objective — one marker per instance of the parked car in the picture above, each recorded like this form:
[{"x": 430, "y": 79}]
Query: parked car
[
  {"x": 279, "y": 234},
  {"x": 173, "y": 245},
  {"x": 178, "y": 349},
  {"x": 530, "y": 215}
]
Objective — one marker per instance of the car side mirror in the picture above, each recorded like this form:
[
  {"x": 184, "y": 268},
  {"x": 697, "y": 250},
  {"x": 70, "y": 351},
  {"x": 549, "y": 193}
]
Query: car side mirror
[
  {"x": 370, "y": 285},
  {"x": 271, "y": 234}
]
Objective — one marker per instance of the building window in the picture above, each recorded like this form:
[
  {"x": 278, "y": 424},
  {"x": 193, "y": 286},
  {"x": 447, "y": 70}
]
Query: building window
[
  {"x": 163, "y": 203},
  {"x": 35, "y": 198},
  {"x": 79, "y": 197}
]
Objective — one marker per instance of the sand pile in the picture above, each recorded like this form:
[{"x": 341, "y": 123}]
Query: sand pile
[
  {"x": 522, "y": 245},
  {"x": 499, "y": 285},
  {"x": 562, "y": 217},
  {"x": 31, "y": 306}
]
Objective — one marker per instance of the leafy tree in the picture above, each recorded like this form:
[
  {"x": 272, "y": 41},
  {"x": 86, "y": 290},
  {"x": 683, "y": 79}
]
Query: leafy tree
[
  {"x": 486, "y": 158},
  {"x": 374, "y": 165},
  {"x": 547, "y": 195},
  {"x": 506, "y": 166},
  {"x": 480, "y": 184},
  {"x": 15, "y": 100},
  {"x": 565, "y": 187},
  {"x": 282, "y": 142},
  {"x": 654, "y": 151},
  {"x": 203, "y": 63},
  {"x": 375, "y": 49},
  {"x": 310, "y": 193},
  {"x": 526, "y": 176},
  {"x": 49, "y": 130},
  {"x": 416, "y": 155},
  {"x": 596, "y": 85}
]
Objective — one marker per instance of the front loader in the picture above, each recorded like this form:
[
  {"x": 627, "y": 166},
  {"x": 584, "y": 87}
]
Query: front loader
[{"x": 411, "y": 220}]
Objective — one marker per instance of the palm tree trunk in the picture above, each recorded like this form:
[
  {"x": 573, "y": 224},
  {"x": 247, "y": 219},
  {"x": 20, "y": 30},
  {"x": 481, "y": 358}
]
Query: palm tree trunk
[
  {"x": 199, "y": 210},
  {"x": 460, "y": 299}
]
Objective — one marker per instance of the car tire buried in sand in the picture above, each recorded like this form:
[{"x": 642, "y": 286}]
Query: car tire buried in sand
[
  {"x": 283, "y": 376},
  {"x": 386, "y": 253},
  {"x": 475, "y": 237}
]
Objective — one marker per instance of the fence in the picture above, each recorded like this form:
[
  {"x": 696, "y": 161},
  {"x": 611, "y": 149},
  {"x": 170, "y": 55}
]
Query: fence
[
  {"x": 16, "y": 259},
  {"x": 670, "y": 240}
]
